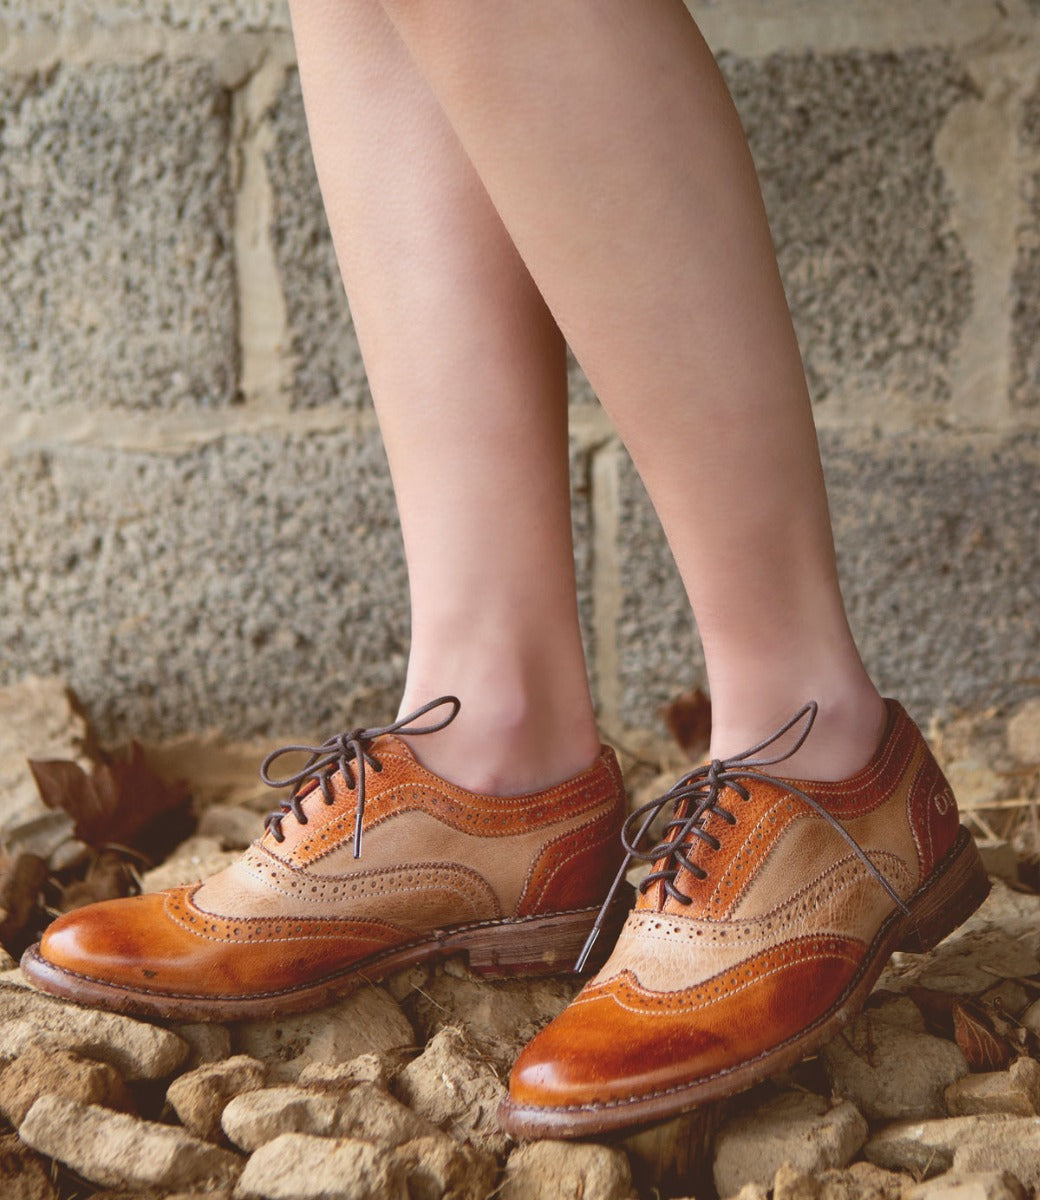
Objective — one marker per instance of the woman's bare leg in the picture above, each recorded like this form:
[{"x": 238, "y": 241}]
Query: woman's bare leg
[
  {"x": 467, "y": 370},
  {"x": 608, "y": 142}
]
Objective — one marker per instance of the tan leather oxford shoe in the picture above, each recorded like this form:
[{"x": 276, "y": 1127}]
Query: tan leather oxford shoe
[
  {"x": 769, "y": 912},
  {"x": 514, "y": 883}
]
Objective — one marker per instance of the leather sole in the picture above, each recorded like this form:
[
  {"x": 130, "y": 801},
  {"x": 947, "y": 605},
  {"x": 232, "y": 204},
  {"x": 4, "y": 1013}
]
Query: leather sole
[
  {"x": 526, "y": 946},
  {"x": 951, "y": 893}
]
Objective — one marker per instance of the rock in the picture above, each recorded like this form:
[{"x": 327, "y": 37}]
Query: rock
[
  {"x": 114, "y": 1149},
  {"x": 366, "y": 1022},
  {"x": 439, "y": 1167},
  {"x": 1008, "y": 997},
  {"x": 1015, "y": 1091},
  {"x": 1000, "y": 941},
  {"x": 791, "y": 1184},
  {"x": 206, "y": 1043},
  {"x": 200, "y": 1096},
  {"x": 1023, "y": 734},
  {"x": 566, "y": 1171},
  {"x": 861, "y": 1181},
  {"x": 194, "y": 859},
  {"x": 1031, "y": 1018},
  {"x": 890, "y": 1071},
  {"x": 499, "y": 1016},
  {"x": 799, "y": 1128},
  {"x": 998, "y": 857},
  {"x": 958, "y": 1185},
  {"x": 256, "y": 1118},
  {"x": 232, "y": 825},
  {"x": 454, "y": 1086},
  {"x": 37, "y": 721},
  {"x": 296, "y": 1166},
  {"x": 137, "y": 1050},
  {"x": 41, "y": 1070},
  {"x": 23, "y": 1174},
  {"x": 339, "y": 1077},
  {"x": 1012, "y": 1145},
  {"x": 927, "y": 1147}
]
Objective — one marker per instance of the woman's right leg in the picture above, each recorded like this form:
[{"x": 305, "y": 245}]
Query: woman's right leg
[{"x": 466, "y": 367}]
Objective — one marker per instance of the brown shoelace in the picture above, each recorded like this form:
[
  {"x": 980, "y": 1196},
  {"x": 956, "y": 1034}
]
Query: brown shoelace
[
  {"x": 344, "y": 754},
  {"x": 693, "y": 797}
]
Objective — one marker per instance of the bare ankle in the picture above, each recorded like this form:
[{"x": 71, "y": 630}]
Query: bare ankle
[{"x": 845, "y": 734}]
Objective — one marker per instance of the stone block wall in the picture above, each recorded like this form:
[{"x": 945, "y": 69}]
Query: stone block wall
[{"x": 196, "y": 525}]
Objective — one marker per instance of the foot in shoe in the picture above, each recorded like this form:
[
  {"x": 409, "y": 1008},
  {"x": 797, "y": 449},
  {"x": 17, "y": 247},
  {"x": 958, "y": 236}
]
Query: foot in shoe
[
  {"x": 372, "y": 864},
  {"x": 769, "y": 911}
]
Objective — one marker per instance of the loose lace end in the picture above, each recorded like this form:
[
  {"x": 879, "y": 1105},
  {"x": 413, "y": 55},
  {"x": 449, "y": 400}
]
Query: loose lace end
[{"x": 586, "y": 950}]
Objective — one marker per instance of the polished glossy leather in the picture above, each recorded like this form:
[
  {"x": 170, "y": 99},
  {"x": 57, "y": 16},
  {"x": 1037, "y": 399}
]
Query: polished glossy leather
[
  {"x": 301, "y": 910},
  {"x": 784, "y": 923}
]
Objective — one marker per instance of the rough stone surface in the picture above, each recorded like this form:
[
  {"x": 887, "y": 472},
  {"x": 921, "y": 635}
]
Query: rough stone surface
[
  {"x": 338, "y": 1077},
  {"x": 878, "y": 284},
  {"x": 455, "y": 1087},
  {"x": 799, "y": 1128},
  {"x": 137, "y": 1050},
  {"x": 566, "y": 1171},
  {"x": 257, "y": 579},
  {"x": 117, "y": 1150},
  {"x": 199, "y": 1097},
  {"x": 1025, "y": 281},
  {"x": 499, "y": 1018},
  {"x": 927, "y": 1147},
  {"x": 892, "y": 1072},
  {"x": 366, "y": 1022},
  {"x": 959, "y": 1185},
  {"x": 37, "y": 721},
  {"x": 239, "y": 15},
  {"x": 297, "y": 1166},
  {"x": 327, "y": 360},
  {"x": 1000, "y": 941},
  {"x": 207, "y": 1043},
  {"x": 1015, "y": 1091},
  {"x": 441, "y": 1169},
  {"x": 23, "y": 1174},
  {"x": 42, "y": 1070},
  {"x": 1013, "y": 1146},
  {"x": 115, "y": 216},
  {"x": 255, "y": 1118},
  {"x": 936, "y": 553}
]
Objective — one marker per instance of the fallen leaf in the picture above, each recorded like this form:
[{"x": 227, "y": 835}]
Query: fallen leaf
[
  {"x": 120, "y": 802},
  {"x": 978, "y": 1042},
  {"x": 21, "y": 917},
  {"x": 688, "y": 718}
]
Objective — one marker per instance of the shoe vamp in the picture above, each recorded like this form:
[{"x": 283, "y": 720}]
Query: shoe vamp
[
  {"x": 415, "y": 896},
  {"x": 665, "y": 952},
  {"x": 777, "y": 845}
]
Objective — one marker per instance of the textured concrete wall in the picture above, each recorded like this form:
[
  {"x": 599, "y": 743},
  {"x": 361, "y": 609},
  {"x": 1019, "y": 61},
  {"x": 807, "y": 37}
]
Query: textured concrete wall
[{"x": 197, "y": 525}]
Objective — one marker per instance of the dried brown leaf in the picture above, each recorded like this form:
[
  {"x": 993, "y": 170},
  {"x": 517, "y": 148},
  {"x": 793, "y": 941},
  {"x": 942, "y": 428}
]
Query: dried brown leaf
[
  {"x": 688, "y": 718},
  {"x": 121, "y": 801},
  {"x": 21, "y": 917},
  {"x": 973, "y": 1032}
]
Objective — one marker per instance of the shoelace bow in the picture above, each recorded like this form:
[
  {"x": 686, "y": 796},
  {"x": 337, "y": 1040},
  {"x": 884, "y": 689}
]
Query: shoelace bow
[
  {"x": 697, "y": 793},
  {"x": 337, "y": 754}
]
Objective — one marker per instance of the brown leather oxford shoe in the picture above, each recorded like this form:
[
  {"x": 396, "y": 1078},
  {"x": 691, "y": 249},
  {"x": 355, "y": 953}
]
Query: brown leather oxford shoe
[
  {"x": 769, "y": 912},
  {"x": 514, "y": 883}
]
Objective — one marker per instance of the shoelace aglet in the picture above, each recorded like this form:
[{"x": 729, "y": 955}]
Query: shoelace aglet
[
  {"x": 357, "y": 836},
  {"x": 586, "y": 950}
]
